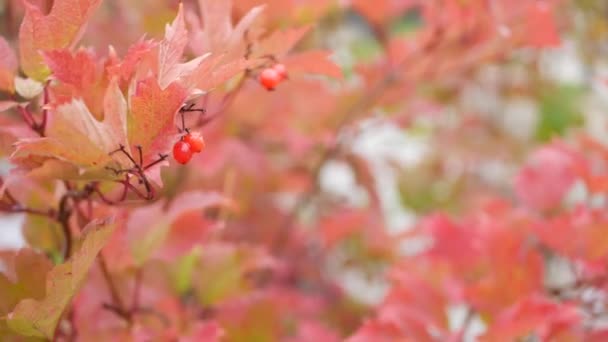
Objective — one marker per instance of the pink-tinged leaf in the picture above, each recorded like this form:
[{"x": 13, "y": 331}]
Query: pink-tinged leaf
[
  {"x": 214, "y": 31},
  {"x": 8, "y": 66},
  {"x": 452, "y": 241},
  {"x": 535, "y": 314},
  {"x": 170, "y": 52},
  {"x": 547, "y": 176},
  {"x": 151, "y": 120},
  {"x": 115, "y": 113},
  {"x": 79, "y": 76},
  {"x": 39, "y": 318},
  {"x": 76, "y": 69},
  {"x": 579, "y": 235},
  {"x": 59, "y": 29},
  {"x": 312, "y": 62},
  {"x": 73, "y": 135},
  {"x": 216, "y": 18},
  {"x": 210, "y": 74},
  {"x": 138, "y": 51}
]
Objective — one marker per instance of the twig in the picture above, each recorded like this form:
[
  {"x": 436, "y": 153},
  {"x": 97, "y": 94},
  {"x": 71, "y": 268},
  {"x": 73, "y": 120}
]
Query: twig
[
  {"x": 137, "y": 289},
  {"x": 116, "y": 300}
]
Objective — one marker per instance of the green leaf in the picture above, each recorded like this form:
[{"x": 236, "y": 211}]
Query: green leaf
[
  {"x": 184, "y": 268},
  {"x": 39, "y": 318},
  {"x": 559, "y": 111}
]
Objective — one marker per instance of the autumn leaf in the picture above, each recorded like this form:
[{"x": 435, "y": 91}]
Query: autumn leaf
[
  {"x": 170, "y": 52},
  {"x": 214, "y": 31},
  {"x": 27, "y": 281},
  {"x": 79, "y": 75},
  {"x": 547, "y": 176},
  {"x": 148, "y": 227},
  {"x": 60, "y": 28},
  {"x": 75, "y": 136},
  {"x": 212, "y": 73},
  {"x": 39, "y": 318},
  {"x": 151, "y": 119},
  {"x": 535, "y": 314},
  {"x": 125, "y": 69},
  {"x": 8, "y": 66}
]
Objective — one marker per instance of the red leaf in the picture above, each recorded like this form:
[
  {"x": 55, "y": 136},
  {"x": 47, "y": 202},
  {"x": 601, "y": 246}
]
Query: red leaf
[
  {"x": 8, "y": 66},
  {"x": 580, "y": 234},
  {"x": 61, "y": 28},
  {"x": 151, "y": 120},
  {"x": 541, "y": 30},
  {"x": 547, "y": 176},
  {"x": 534, "y": 314}
]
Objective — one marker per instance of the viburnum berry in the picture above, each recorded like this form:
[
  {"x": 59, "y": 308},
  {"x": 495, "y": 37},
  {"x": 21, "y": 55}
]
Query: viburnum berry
[
  {"x": 270, "y": 78},
  {"x": 196, "y": 141},
  {"x": 182, "y": 152},
  {"x": 281, "y": 70}
]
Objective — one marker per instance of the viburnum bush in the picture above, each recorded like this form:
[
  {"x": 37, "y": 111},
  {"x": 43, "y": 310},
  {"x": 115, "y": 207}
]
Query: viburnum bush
[{"x": 173, "y": 165}]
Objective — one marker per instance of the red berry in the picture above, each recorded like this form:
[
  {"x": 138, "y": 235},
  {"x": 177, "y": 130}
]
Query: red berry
[
  {"x": 182, "y": 152},
  {"x": 269, "y": 78},
  {"x": 281, "y": 70},
  {"x": 196, "y": 141}
]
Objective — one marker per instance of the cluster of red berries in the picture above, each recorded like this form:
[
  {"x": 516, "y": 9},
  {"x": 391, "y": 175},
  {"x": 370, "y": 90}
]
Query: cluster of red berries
[
  {"x": 271, "y": 77},
  {"x": 187, "y": 145}
]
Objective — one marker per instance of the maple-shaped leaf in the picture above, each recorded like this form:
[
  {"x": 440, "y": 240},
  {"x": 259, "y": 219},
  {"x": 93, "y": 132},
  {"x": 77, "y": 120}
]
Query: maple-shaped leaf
[
  {"x": 213, "y": 72},
  {"x": 171, "y": 49},
  {"x": 126, "y": 68},
  {"x": 549, "y": 320},
  {"x": 79, "y": 75},
  {"x": 60, "y": 28},
  {"x": 214, "y": 31},
  {"x": 26, "y": 279},
  {"x": 74, "y": 135},
  {"x": 39, "y": 318},
  {"x": 151, "y": 118},
  {"x": 8, "y": 67}
]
